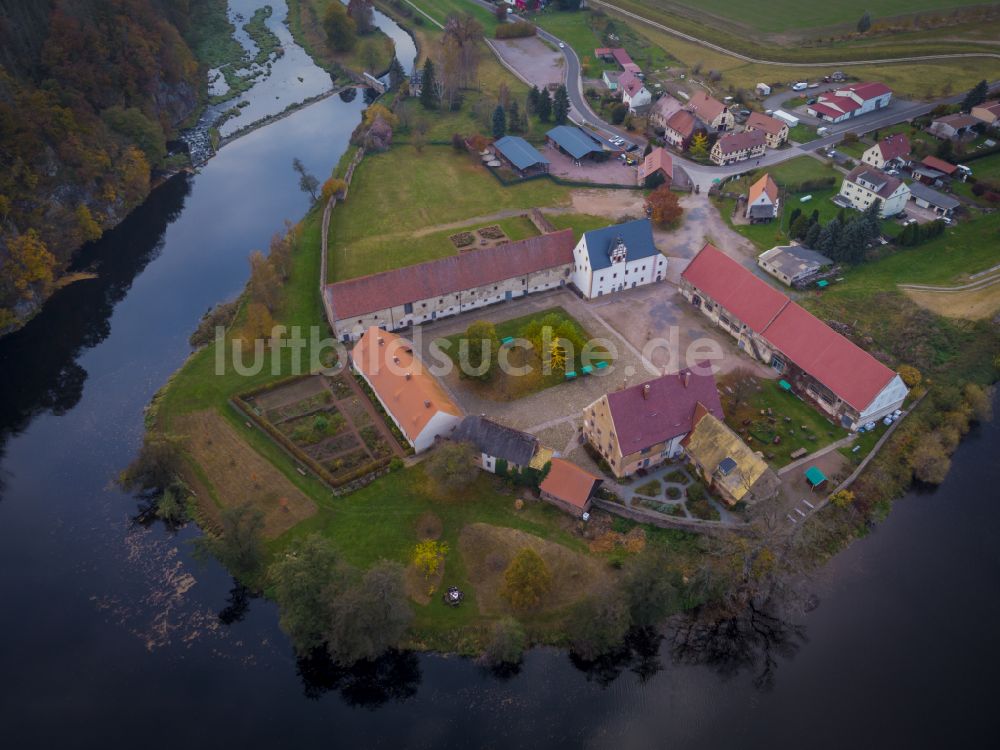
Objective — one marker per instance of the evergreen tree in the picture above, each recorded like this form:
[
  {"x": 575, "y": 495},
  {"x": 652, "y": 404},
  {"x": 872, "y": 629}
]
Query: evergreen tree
[
  {"x": 814, "y": 216},
  {"x": 872, "y": 220},
  {"x": 945, "y": 149},
  {"x": 852, "y": 242},
  {"x": 812, "y": 235},
  {"x": 428, "y": 91},
  {"x": 396, "y": 74},
  {"x": 534, "y": 97},
  {"x": 499, "y": 122},
  {"x": 514, "y": 118},
  {"x": 799, "y": 227},
  {"x": 976, "y": 96},
  {"x": 830, "y": 238},
  {"x": 544, "y": 106},
  {"x": 864, "y": 23},
  {"x": 560, "y": 107}
]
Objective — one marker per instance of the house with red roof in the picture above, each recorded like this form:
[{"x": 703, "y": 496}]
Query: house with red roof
[
  {"x": 892, "y": 152},
  {"x": 569, "y": 487},
  {"x": 407, "y": 296},
  {"x": 850, "y": 101},
  {"x": 656, "y": 163},
  {"x": 837, "y": 376},
  {"x": 634, "y": 93},
  {"x": 762, "y": 200},
  {"x": 716, "y": 115},
  {"x": 775, "y": 130},
  {"x": 679, "y": 128},
  {"x": 643, "y": 426}
]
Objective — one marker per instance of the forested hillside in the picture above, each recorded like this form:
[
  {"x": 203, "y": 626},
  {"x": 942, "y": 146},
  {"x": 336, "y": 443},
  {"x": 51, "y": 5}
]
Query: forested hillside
[{"x": 90, "y": 91}]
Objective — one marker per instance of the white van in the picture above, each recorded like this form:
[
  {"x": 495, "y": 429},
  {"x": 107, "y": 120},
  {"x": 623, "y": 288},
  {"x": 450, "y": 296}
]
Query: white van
[
  {"x": 800, "y": 86},
  {"x": 822, "y": 131}
]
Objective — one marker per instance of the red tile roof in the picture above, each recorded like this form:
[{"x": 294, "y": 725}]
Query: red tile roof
[
  {"x": 869, "y": 90},
  {"x": 772, "y": 125},
  {"x": 661, "y": 409},
  {"x": 894, "y": 146},
  {"x": 824, "y": 109},
  {"x": 939, "y": 164},
  {"x": 705, "y": 106},
  {"x": 889, "y": 183},
  {"x": 734, "y": 142},
  {"x": 846, "y": 369},
  {"x": 436, "y": 278},
  {"x": 682, "y": 122},
  {"x": 658, "y": 159},
  {"x": 752, "y": 300},
  {"x": 764, "y": 185},
  {"x": 568, "y": 482},
  {"x": 622, "y": 57},
  {"x": 629, "y": 83}
]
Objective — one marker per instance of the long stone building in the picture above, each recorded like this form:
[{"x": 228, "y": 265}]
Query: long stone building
[
  {"x": 819, "y": 364},
  {"x": 407, "y": 296}
]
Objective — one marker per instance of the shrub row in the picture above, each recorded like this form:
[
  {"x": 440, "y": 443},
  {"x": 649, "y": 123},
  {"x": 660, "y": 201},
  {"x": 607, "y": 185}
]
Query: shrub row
[{"x": 515, "y": 30}]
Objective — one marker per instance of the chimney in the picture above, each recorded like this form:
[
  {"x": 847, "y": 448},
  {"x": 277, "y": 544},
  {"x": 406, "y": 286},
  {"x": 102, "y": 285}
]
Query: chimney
[
  {"x": 645, "y": 390},
  {"x": 687, "y": 377},
  {"x": 427, "y": 404},
  {"x": 409, "y": 375}
]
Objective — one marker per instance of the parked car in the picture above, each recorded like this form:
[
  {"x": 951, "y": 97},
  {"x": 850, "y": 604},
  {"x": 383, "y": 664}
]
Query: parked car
[
  {"x": 811, "y": 100},
  {"x": 800, "y": 86},
  {"x": 562, "y": 45}
]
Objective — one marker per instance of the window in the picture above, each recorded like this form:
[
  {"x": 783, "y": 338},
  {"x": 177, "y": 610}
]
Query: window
[{"x": 408, "y": 307}]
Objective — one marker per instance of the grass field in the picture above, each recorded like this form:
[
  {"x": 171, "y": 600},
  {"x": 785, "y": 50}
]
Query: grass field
[
  {"x": 788, "y": 15},
  {"x": 372, "y": 53},
  {"x": 971, "y": 304},
  {"x": 400, "y": 192}
]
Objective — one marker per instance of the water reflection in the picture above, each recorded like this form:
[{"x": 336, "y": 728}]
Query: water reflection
[
  {"x": 639, "y": 654},
  {"x": 393, "y": 677}
]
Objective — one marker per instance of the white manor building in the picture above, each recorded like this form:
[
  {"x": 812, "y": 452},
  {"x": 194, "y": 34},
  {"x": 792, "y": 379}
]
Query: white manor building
[{"x": 617, "y": 257}]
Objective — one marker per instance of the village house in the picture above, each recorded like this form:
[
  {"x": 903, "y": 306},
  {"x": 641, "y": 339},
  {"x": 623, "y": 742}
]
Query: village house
[
  {"x": 662, "y": 110},
  {"x": 643, "y": 426},
  {"x": 762, "y": 201},
  {"x": 925, "y": 197},
  {"x": 679, "y": 129},
  {"x": 657, "y": 162},
  {"x": 438, "y": 288},
  {"x": 865, "y": 184},
  {"x": 987, "y": 113},
  {"x": 610, "y": 78},
  {"x": 838, "y": 377},
  {"x": 892, "y": 152},
  {"x": 792, "y": 264},
  {"x": 634, "y": 93},
  {"x": 736, "y": 147},
  {"x": 620, "y": 56},
  {"x": 568, "y": 487},
  {"x": 727, "y": 464},
  {"x": 520, "y": 156},
  {"x": 712, "y": 112},
  {"x": 775, "y": 130},
  {"x": 617, "y": 257},
  {"x": 850, "y": 101},
  {"x": 954, "y": 126},
  {"x": 413, "y": 398},
  {"x": 496, "y": 442}
]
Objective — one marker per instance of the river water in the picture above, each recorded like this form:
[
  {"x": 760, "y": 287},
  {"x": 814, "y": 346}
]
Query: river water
[{"x": 112, "y": 635}]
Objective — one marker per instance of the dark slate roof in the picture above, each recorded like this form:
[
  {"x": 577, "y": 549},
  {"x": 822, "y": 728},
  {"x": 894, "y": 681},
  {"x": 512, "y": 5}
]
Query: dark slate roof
[
  {"x": 637, "y": 236},
  {"x": 574, "y": 141},
  {"x": 919, "y": 190},
  {"x": 496, "y": 440},
  {"x": 762, "y": 212},
  {"x": 519, "y": 152}
]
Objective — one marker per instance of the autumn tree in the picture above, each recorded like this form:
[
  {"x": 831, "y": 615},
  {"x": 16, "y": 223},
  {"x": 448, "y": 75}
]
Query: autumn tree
[
  {"x": 506, "y": 643},
  {"x": 663, "y": 206},
  {"x": 89, "y": 228},
  {"x": 264, "y": 285},
  {"x": 451, "y": 466},
  {"x": 699, "y": 146},
  {"x": 526, "y": 581},
  {"x": 910, "y": 375},
  {"x": 428, "y": 555},
  {"x": 360, "y": 12},
  {"x": 842, "y": 499},
  {"x": 333, "y": 187},
  {"x": 478, "y": 350},
  {"x": 929, "y": 459},
  {"x": 258, "y": 325},
  {"x": 28, "y": 266},
  {"x": 341, "y": 30}
]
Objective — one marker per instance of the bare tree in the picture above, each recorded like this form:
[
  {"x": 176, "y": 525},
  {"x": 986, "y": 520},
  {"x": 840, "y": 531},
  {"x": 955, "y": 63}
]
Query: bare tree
[{"x": 307, "y": 183}]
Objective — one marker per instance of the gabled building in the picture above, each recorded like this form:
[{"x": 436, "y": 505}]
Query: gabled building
[
  {"x": 892, "y": 152},
  {"x": 413, "y": 398},
  {"x": 617, "y": 257},
  {"x": 762, "y": 201},
  {"x": 662, "y": 110},
  {"x": 679, "y": 129},
  {"x": 850, "y": 101},
  {"x": 864, "y": 184},
  {"x": 634, "y": 93},
  {"x": 941, "y": 204},
  {"x": 987, "y": 113},
  {"x": 569, "y": 487},
  {"x": 716, "y": 115},
  {"x": 775, "y": 130},
  {"x": 618, "y": 55},
  {"x": 727, "y": 464},
  {"x": 656, "y": 162},
  {"x": 643, "y": 426},
  {"x": 736, "y": 147},
  {"x": 575, "y": 142},
  {"x": 610, "y": 78},
  {"x": 520, "y": 155},
  {"x": 839, "y": 377},
  {"x": 792, "y": 264},
  {"x": 954, "y": 126},
  {"x": 494, "y": 441}
]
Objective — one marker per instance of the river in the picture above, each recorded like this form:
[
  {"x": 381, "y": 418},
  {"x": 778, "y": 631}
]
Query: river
[{"x": 112, "y": 635}]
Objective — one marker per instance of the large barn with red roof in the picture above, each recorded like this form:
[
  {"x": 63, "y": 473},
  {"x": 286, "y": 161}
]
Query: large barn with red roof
[
  {"x": 840, "y": 377},
  {"x": 850, "y": 101}
]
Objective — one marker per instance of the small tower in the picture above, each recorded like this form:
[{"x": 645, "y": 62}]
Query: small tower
[{"x": 618, "y": 251}]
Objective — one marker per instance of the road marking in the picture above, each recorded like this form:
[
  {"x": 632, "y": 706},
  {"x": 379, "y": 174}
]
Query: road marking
[
  {"x": 789, "y": 517},
  {"x": 809, "y": 503},
  {"x": 797, "y": 510}
]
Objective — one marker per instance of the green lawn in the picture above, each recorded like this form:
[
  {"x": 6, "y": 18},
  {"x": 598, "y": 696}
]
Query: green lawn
[
  {"x": 987, "y": 168},
  {"x": 441, "y": 10},
  {"x": 798, "y": 170},
  {"x": 400, "y": 191},
  {"x": 579, "y": 223},
  {"x": 855, "y": 150},
  {"x": 802, "y": 133}
]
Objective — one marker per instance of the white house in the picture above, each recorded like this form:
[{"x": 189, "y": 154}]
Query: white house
[
  {"x": 850, "y": 101},
  {"x": 865, "y": 184},
  {"x": 496, "y": 442},
  {"x": 412, "y": 397},
  {"x": 634, "y": 93},
  {"x": 617, "y": 257},
  {"x": 891, "y": 152},
  {"x": 762, "y": 200}
]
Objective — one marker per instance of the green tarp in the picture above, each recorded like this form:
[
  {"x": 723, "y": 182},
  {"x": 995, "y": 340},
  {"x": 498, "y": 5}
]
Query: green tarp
[
  {"x": 814, "y": 476},
  {"x": 823, "y": 284},
  {"x": 785, "y": 385},
  {"x": 587, "y": 369},
  {"x": 602, "y": 364}
]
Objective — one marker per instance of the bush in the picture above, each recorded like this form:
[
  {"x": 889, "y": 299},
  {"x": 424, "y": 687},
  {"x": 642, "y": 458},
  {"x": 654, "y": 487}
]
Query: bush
[
  {"x": 515, "y": 30},
  {"x": 507, "y": 643},
  {"x": 618, "y": 113},
  {"x": 600, "y": 623},
  {"x": 526, "y": 580}
]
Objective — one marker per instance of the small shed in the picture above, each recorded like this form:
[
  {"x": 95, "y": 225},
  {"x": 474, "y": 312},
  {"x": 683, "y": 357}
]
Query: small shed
[
  {"x": 815, "y": 477},
  {"x": 520, "y": 155},
  {"x": 763, "y": 89},
  {"x": 569, "y": 487}
]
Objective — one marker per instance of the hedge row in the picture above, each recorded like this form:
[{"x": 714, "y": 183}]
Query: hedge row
[{"x": 515, "y": 30}]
